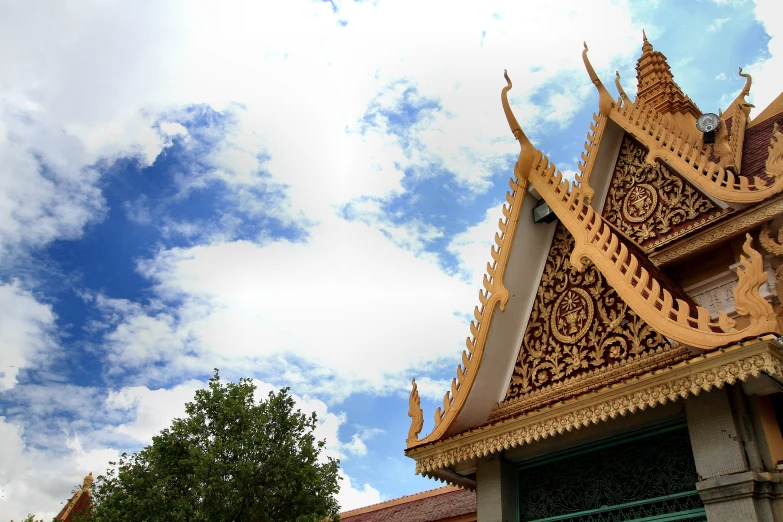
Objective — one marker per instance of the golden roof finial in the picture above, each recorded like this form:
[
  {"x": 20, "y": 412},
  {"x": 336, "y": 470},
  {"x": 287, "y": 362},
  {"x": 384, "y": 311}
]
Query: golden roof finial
[
  {"x": 619, "y": 87},
  {"x": 740, "y": 99},
  {"x": 646, "y": 45},
  {"x": 87, "y": 481},
  {"x": 416, "y": 415},
  {"x": 527, "y": 154},
  {"x": 605, "y": 101},
  {"x": 512, "y": 120}
]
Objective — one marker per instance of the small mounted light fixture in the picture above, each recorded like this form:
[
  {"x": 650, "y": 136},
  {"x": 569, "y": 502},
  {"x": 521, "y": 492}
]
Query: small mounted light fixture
[
  {"x": 543, "y": 213},
  {"x": 708, "y": 123}
]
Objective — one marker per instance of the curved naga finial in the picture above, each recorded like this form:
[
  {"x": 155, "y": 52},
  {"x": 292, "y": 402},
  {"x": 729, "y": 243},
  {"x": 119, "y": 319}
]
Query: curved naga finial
[
  {"x": 752, "y": 275},
  {"x": 527, "y": 154},
  {"x": 516, "y": 129},
  {"x": 774, "y": 164},
  {"x": 748, "y": 82},
  {"x": 605, "y": 101},
  {"x": 771, "y": 245},
  {"x": 619, "y": 87},
  {"x": 740, "y": 101},
  {"x": 416, "y": 415}
]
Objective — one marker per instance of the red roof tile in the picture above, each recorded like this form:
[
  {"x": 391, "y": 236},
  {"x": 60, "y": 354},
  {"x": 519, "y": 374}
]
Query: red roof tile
[{"x": 439, "y": 506}]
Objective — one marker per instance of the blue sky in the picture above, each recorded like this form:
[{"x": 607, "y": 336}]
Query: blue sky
[{"x": 300, "y": 192}]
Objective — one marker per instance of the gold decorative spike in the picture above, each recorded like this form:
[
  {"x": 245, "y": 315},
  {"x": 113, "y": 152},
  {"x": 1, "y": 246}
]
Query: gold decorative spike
[
  {"x": 774, "y": 247},
  {"x": 527, "y": 153},
  {"x": 416, "y": 414},
  {"x": 775, "y": 155},
  {"x": 771, "y": 245},
  {"x": 605, "y": 101},
  {"x": 751, "y": 274},
  {"x": 619, "y": 87},
  {"x": 88, "y": 480},
  {"x": 646, "y": 45},
  {"x": 494, "y": 295},
  {"x": 740, "y": 104},
  {"x": 673, "y": 318}
]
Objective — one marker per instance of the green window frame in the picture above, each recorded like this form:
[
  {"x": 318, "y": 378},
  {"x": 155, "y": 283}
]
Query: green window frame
[{"x": 641, "y": 476}]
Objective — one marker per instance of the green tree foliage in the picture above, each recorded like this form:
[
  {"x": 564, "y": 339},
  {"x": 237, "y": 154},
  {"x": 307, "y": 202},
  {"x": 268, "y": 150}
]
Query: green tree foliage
[{"x": 229, "y": 459}]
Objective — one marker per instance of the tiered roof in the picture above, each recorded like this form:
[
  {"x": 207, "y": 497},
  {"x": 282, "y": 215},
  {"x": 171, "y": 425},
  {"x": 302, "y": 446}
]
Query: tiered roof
[
  {"x": 656, "y": 86},
  {"x": 670, "y": 349}
]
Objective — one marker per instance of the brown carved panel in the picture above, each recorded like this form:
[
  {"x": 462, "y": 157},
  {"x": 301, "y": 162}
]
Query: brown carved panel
[
  {"x": 652, "y": 204},
  {"x": 580, "y": 336}
]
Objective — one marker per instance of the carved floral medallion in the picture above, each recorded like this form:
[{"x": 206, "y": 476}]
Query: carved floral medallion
[
  {"x": 652, "y": 204},
  {"x": 580, "y": 336},
  {"x": 572, "y": 315}
]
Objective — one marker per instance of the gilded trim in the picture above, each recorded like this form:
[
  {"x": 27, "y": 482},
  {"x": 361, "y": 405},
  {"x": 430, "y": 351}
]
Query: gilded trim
[
  {"x": 493, "y": 296},
  {"x": 732, "y": 226},
  {"x": 712, "y": 370}
]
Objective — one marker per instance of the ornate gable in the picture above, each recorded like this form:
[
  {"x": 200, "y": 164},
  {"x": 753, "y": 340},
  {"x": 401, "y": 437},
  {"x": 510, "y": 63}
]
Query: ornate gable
[
  {"x": 650, "y": 203},
  {"x": 581, "y": 335}
]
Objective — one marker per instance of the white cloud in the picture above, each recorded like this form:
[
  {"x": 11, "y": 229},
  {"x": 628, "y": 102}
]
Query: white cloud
[
  {"x": 766, "y": 72},
  {"x": 717, "y": 24},
  {"x": 26, "y": 332},
  {"x": 348, "y": 310},
  {"x": 103, "y": 71},
  {"x": 40, "y": 481},
  {"x": 351, "y": 497},
  {"x": 472, "y": 247}
]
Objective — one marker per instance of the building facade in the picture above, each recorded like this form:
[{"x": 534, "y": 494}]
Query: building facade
[{"x": 625, "y": 360}]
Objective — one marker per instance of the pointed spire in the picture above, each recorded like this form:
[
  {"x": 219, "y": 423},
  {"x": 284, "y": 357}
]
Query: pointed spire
[
  {"x": 646, "y": 45},
  {"x": 656, "y": 87}
]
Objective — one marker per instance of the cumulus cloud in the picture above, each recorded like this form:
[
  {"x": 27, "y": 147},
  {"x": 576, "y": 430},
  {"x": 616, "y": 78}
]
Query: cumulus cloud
[
  {"x": 766, "y": 72},
  {"x": 348, "y": 309},
  {"x": 27, "y": 335}
]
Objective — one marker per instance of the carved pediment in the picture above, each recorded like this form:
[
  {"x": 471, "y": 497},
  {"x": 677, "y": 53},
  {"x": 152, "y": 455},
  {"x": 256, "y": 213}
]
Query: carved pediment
[
  {"x": 581, "y": 335},
  {"x": 650, "y": 203}
]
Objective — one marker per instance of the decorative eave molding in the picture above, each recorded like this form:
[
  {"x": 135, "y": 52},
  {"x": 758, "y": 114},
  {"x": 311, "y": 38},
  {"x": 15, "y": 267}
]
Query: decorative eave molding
[
  {"x": 730, "y": 227},
  {"x": 711, "y": 370},
  {"x": 493, "y": 296}
]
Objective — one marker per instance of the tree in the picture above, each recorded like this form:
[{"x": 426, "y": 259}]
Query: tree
[{"x": 229, "y": 459}]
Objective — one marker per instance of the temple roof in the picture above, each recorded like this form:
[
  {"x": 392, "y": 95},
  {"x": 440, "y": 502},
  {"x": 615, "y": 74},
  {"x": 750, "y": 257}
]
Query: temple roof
[
  {"x": 661, "y": 122},
  {"x": 447, "y": 504},
  {"x": 80, "y": 501}
]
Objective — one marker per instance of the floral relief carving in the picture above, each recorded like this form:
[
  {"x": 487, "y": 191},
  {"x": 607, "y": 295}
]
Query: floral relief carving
[
  {"x": 579, "y": 334},
  {"x": 650, "y": 203}
]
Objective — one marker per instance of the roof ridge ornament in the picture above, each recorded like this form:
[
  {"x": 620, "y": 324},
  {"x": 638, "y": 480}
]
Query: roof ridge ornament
[
  {"x": 416, "y": 414},
  {"x": 528, "y": 152},
  {"x": 619, "y": 87},
  {"x": 605, "y": 100},
  {"x": 646, "y": 45}
]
